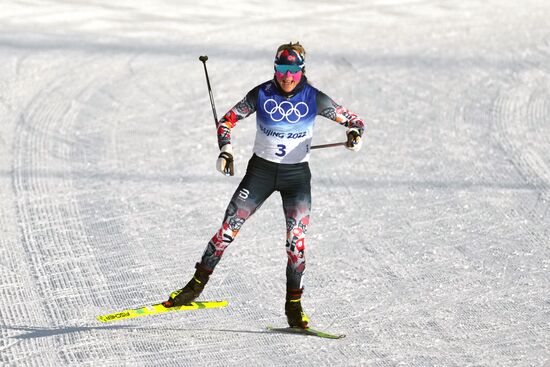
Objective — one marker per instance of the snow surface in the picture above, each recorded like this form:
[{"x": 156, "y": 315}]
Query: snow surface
[{"x": 430, "y": 247}]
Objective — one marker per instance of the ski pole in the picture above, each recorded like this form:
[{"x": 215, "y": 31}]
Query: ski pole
[
  {"x": 327, "y": 145},
  {"x": 203, "y": 59}
]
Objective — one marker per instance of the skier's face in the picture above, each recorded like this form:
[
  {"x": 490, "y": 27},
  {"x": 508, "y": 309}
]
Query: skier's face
[{"x": 287, "y": 79}]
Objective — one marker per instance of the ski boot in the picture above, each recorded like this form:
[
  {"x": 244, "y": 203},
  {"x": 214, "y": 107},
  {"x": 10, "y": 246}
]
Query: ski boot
[
  {"x": 192, "y": 290},
  {"x": 293, "y": 309}
]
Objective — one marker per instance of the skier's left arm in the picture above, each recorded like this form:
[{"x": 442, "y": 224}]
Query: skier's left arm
[{"x": 328, "y": 108}]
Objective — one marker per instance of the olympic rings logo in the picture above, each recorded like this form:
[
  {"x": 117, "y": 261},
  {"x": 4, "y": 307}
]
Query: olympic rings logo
[{"x": 285, "y": 110}]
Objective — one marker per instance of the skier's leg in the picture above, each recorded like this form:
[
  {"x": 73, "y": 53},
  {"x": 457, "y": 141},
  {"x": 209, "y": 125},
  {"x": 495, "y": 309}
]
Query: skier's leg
[
  {"x": 254, "y": 189},
  {"x": 297, "y": 219},
  {"x": 248, "y": 197},
  {"x": 296, "y": 195},
  {"x": 256, "y": 186},
  {"x": 297, "y": 209}
]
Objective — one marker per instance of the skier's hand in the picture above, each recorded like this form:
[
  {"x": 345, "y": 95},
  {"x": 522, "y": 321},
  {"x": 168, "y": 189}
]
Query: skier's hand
[
  {"x": 354, "y": 142},
  {"x": 225, "y": 161}
]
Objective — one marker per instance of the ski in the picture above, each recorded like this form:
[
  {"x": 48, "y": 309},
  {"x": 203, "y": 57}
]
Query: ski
[
  {"x": 158, "y": 309},
  {"x": 309, "y": 331}
]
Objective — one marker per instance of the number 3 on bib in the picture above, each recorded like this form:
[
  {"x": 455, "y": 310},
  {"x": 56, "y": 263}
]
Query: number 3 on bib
[{"x": 282, "y": 150}]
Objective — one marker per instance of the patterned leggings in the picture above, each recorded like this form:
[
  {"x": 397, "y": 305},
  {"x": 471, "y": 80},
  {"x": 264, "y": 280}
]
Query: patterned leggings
[{"x": 261, "y": 180}]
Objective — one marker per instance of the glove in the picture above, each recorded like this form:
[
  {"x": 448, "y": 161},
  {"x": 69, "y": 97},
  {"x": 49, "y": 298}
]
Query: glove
[
  {"x": 225, "y": 161},
  {"x": 354, "y": 142}
]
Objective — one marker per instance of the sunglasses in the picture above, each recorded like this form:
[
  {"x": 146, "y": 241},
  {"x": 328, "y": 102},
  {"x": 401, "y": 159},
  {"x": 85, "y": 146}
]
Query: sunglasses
[{"x": 292, "y": 68}]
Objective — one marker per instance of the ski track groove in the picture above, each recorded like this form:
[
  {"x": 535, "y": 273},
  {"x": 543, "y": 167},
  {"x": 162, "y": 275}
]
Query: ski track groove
[
  {"x": 60, "y": 259},
  {"x": 509, "y": 114},
  {"x": 43, "y": 245}
]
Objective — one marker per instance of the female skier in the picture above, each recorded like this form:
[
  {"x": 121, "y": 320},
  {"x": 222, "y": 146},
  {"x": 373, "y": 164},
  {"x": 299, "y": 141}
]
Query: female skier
[{"x": 285, "y": 108}]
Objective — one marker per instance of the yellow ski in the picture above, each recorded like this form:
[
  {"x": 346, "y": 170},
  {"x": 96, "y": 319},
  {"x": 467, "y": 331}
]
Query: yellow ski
[{"x": 158, "y": 309}]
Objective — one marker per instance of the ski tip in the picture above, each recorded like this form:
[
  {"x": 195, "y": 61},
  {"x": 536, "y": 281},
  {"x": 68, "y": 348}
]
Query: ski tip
[
  {"x": 199, "y": 304},
  {"x": 307, "y": 331},
  {"x": 322, "y": 334},
  {"x": 100, "y": 319},
  {"x": 210, "y": 304}
]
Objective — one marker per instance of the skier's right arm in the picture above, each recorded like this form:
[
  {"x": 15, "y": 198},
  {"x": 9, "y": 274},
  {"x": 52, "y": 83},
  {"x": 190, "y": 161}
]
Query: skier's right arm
[{"x": 244, "y": 108}]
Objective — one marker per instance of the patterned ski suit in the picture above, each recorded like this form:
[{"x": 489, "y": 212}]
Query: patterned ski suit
[{"x": 279, "y": 163}]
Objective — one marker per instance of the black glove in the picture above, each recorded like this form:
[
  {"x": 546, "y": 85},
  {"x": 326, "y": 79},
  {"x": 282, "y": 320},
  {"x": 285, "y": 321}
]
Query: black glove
[
  {"x": 354, "y": 142},
  {"x": 224, "y": 163}
]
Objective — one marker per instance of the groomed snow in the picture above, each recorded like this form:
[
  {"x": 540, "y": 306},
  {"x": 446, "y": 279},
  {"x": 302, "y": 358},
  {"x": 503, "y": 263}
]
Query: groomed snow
[{"x": 429, "y": 247}]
